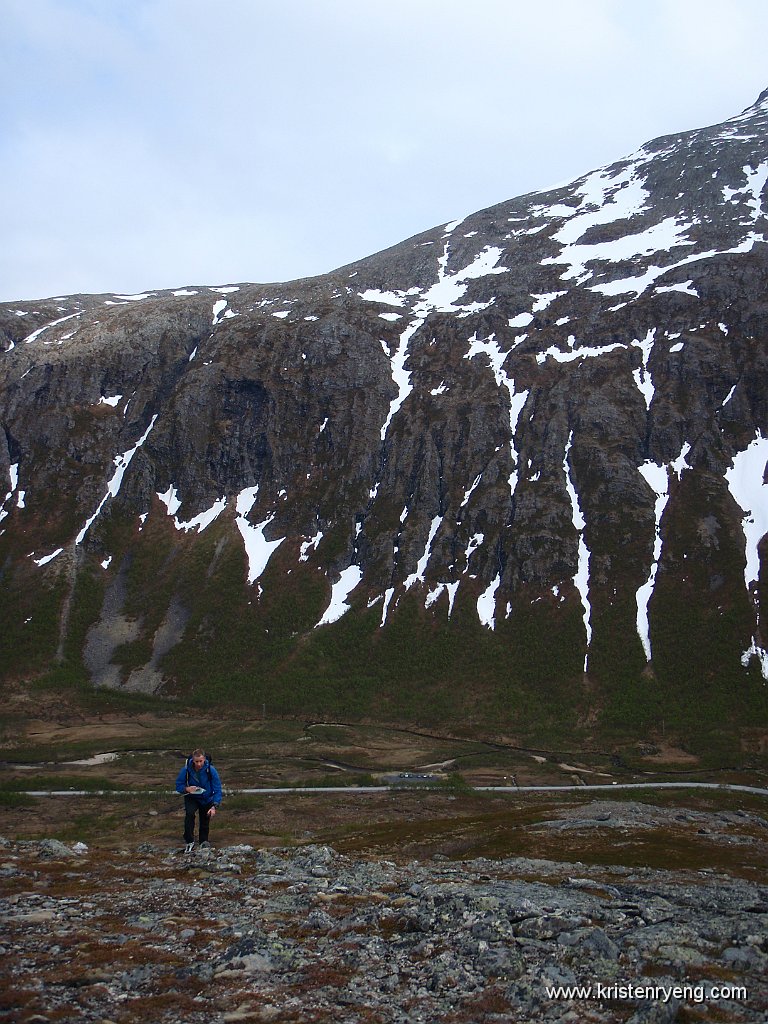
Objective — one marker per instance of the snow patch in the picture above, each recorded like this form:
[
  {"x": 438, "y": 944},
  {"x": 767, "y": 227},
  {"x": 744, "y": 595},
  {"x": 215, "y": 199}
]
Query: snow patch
[
  {"x": 474, "y": 543},
  {"x": 642, "y": 376},
  {"x": 200, "y": 522},
  {"x": 388, "y": 595},
  {"x": 486, "y": 604},
  {"x": 36, "y": 334},
  {"x": 444, "y": 295},
  {"x": 541, "y": 302},
  {"x": 573, "y": 353},
  {"x": 685, "y": 287},
  {"x": 521, "y": 320},
  {"x": 340, "y": 591},
  {"x": 441, "y": 297},
  {"x": 400, "y": 376},
  {"x": 469, "y": 490},
  {"x": 258, "y": 549},
  {"x": 310, "y": 545},
  {"x": 47, "y": 558},
  {"x": 680, "y": 462},
  {"x": 121, "y": 463},
  {"x": 658, "y": 238},
  {"x": 434, "y": 595},
  {"x": 755, "y": 651},
  {"x": 13, "y": 472},
  {"x": 517, "y": 399},
  {"x": 752, "y": 191},
  {"x": 388, "y": 298},
  {"x": 657, "y": 478},
  {"x": 728, "y": 397},
  {"x": 204, "y": 519},
  {"x": 745, "y": 479},
  {"x": 170, "y": 499},
  {"x": 421, "y": 567},
  {"x": 581, "y": 579},
  {"x": 639, "y": 284}
]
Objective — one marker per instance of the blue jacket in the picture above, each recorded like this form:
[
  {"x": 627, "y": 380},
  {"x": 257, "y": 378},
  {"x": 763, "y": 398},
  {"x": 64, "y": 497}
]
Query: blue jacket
[{"x": 207, "y": 777}]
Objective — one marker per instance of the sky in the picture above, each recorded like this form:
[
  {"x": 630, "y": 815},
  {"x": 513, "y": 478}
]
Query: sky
[{"x": 150, "y": 144}]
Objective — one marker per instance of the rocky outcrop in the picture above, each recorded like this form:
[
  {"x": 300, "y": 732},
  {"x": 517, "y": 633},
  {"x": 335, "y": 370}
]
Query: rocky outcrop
[
  {"x": 531, "y": 443},
  {"x": 310, "y": 934}
]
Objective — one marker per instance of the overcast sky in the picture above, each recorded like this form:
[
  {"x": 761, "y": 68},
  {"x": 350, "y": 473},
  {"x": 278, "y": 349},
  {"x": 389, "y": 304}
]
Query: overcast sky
[{"x": 157, "y": 143}]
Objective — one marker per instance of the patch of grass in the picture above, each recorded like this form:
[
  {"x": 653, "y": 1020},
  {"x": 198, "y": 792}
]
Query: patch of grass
[
  {"x": 104, "y": 700},
  {"x": 29, "y": 611},
  {"x": 16, "y": 800},
  {"x": 59, "y": 678},
  {"x": 512, "y": 831},
  {"x": 85, "y": 609},
  {"x": 245, "y": 802},
  {"x": 134, "y": 654},
  {"x": 331, "y": 734},
  {"x": 350, "y": 780},
  {"x": 48, "y": 782},
  {"x": 454, "y": 782},
  {"x": 51, "y": 752}
]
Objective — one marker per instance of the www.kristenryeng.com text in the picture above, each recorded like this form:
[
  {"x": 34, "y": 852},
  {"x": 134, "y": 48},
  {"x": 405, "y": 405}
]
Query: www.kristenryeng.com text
[{"x": 689, "y": 993}]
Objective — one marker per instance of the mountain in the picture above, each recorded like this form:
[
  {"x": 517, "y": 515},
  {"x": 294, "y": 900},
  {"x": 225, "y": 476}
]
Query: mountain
[{"x": 506, "y": 475}]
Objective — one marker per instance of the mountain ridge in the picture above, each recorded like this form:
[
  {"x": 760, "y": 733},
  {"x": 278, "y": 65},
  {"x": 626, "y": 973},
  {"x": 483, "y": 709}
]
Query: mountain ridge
[{"x": 529, "y": 436}]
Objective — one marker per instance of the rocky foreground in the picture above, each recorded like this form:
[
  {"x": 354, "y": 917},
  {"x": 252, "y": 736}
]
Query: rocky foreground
[{"x": 308, "y": 934}]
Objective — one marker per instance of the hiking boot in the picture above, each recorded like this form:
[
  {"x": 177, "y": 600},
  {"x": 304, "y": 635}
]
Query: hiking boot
[
  {"x": 205, "y": 846},
  {"x": 189, "y": 848}
]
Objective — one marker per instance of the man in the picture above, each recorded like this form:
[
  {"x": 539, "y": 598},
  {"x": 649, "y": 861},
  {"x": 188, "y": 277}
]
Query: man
[{"x": 199, "y": 783}]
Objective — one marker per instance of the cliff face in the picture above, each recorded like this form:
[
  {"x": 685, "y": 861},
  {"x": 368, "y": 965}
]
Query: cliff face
[{"x": 510, "y": 470}]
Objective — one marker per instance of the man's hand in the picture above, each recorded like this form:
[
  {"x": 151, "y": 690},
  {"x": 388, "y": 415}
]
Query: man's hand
[{"x": 211, "y": 811}]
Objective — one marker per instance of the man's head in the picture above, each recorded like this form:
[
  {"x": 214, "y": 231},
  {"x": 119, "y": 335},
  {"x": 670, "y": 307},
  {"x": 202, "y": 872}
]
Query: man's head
[{"x": 198, "y": 758}]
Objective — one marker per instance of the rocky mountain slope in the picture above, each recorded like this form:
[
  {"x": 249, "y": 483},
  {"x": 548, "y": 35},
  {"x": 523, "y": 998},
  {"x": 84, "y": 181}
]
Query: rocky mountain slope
[{"x": 509, "y": 472}]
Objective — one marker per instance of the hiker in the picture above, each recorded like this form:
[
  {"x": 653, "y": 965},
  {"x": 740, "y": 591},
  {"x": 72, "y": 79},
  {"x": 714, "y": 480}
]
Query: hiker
[{"x": 199, "y": 783}]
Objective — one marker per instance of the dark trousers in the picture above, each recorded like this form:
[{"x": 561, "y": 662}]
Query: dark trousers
[{"x": 191, "y": 808}]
